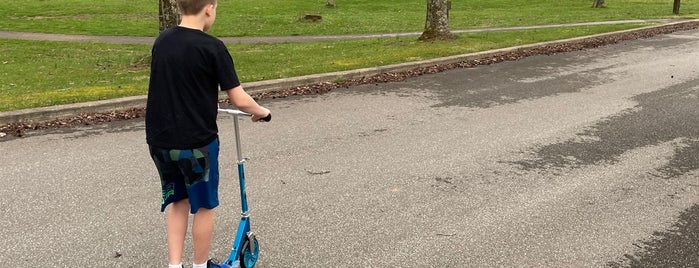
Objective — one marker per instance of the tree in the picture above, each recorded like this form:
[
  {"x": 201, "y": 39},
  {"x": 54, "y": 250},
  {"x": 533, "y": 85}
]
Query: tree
[
  {"x": 169, "y": 14},
  {"x": 598, "y": 3},
  {"x": 676, "y": 7},
  {"x": 437, "y": 21}
]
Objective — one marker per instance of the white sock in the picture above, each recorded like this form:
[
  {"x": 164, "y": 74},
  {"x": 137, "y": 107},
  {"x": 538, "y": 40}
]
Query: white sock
[
  {"x": 175, "y": 265},
  {"x": 203, "y": 265}
]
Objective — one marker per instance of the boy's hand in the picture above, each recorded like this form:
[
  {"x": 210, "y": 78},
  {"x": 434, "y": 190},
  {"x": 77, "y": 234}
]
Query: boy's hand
[{"x": 267, "y": 118}]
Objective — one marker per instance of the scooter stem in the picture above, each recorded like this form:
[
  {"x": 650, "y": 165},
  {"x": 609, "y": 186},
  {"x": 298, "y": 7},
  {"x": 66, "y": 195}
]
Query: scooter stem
[{"x": 237, "y": 139}]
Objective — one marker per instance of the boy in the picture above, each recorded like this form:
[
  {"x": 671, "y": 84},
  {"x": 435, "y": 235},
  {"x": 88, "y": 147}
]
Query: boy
[{"x": 188, "y": 67}]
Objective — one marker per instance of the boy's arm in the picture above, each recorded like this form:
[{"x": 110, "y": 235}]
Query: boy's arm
[{"x": 242, "y": 100}]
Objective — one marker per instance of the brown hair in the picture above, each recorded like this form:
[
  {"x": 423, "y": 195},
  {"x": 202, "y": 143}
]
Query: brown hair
[{"x": 192, "y": 7}]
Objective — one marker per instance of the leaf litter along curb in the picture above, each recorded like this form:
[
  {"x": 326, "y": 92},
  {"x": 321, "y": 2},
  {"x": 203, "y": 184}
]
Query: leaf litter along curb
[
  {"x": 83, "y": 119},
  {"x": 19, "y": 129}
]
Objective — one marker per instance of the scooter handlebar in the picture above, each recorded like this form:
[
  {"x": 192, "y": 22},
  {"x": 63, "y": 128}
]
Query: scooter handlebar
[
  {"x": 238, "y": 112},
  {"x": 233, "y": 112}
]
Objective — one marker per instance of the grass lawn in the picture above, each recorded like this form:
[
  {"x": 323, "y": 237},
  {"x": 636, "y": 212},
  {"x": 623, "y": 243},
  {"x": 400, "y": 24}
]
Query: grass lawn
[
  {"x": 35, "y": 74},
  {"x": 44, "y": 73},
  {"x": 271, "y": 18}
]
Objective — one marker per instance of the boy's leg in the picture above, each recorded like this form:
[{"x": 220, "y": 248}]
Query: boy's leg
[
  {"x": 202, "y": 234},
  {"x": 177, "y": 219},
  {"x": 202, "y": 188},
  {"x": 200, "y": 170},
  {"x": 174, "y": 198}
]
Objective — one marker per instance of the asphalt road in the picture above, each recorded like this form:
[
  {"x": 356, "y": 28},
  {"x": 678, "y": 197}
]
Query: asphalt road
[{"x": 583, "y": 159}]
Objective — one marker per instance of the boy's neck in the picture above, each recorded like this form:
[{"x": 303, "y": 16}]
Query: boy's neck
[{"x": 192, "y": 22}]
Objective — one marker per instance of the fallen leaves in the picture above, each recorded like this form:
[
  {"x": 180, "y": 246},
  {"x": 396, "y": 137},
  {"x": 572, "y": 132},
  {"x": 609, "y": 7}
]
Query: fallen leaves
[{"x": 85, "y": 119}]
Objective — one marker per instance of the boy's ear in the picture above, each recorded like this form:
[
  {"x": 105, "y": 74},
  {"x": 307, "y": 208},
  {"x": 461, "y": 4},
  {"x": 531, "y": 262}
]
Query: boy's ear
[{"x": 208, "y": 8}]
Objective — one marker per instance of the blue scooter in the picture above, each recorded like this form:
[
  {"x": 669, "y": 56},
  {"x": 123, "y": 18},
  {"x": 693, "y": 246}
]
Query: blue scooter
[{"x": 246, "y": 249}]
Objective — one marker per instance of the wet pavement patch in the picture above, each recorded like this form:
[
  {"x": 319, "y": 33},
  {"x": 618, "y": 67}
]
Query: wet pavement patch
[
  {"x": 686, "y": 159},
  {"x": 661, "y": 116},
  {"x": 677, "y": 247},
  {"x": 500, "y": 84}
]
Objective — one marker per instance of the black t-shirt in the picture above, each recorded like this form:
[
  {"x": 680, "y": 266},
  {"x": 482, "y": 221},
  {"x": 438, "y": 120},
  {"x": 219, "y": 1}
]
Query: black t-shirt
[{"x": 187, "y": 68}]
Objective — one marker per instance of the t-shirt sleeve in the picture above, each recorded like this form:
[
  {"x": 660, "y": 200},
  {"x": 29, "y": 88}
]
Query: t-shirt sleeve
[{"x": 227, "y": 76}]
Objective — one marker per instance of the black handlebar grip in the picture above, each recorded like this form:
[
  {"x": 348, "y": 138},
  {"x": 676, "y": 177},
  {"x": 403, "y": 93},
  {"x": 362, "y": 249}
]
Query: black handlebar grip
[{"x": 267, "y": 118}]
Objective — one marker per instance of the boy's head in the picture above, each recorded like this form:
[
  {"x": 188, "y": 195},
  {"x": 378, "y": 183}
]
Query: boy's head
[
  {"x": 193, "y": 7},
  {"x": 203, "y": 11}
]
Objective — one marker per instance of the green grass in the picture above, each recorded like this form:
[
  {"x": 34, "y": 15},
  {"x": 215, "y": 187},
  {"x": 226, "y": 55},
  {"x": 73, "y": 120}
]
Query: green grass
[
  {"x": 270, "y": 18},
  {"x": 34, "y": 73},
  {"x": 43, "y": 73}
]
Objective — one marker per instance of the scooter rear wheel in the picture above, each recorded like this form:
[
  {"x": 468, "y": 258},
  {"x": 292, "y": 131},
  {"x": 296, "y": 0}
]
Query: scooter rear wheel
[{"x": 250, "y": 252}]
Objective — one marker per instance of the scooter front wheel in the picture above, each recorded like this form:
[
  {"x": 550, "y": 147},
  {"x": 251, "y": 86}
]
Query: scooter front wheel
[{"x": 250, "y": 252}]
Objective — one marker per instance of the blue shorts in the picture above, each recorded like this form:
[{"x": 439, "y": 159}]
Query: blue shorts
[{"x": 188, "y": 174}]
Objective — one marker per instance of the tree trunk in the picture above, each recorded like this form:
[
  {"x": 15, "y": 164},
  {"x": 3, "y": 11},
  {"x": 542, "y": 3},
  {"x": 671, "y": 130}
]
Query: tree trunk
[
  {"x": 169, "y": 14},
  {"x": 331, "y": 3},
  {"x": 676, "y": 7},
  {"x": 598, "y": 3},
  {"x": 437, "y": 21}
]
